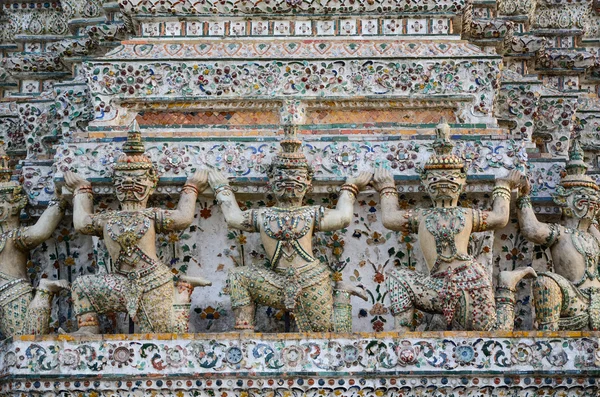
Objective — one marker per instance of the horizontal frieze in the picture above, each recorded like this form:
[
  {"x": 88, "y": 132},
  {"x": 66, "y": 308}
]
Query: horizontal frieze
[
  {"x": 203, "y": 49},
  {"x": 176, "y": 8},
  {"x": 278, "y": 79},
  {"x": 231, "y": 356},
  {"x": 297, "y": 27}
]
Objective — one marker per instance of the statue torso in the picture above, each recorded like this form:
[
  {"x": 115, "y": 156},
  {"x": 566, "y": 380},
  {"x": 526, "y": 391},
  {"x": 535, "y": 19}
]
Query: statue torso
[
  {"x": 13, "y": 256},
  {"x": 129, "y": 237},
  {"x": 575, "y": 256},
  {"x": 444, "y": 236},
  {"x": 287, "y": 235}
]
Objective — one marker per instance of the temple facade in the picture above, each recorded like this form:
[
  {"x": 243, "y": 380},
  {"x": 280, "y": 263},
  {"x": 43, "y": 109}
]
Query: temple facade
[{"x": 201, "y": 186}]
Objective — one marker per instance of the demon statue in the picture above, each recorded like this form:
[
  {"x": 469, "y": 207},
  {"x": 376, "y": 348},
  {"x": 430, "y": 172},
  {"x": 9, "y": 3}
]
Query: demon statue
[
  {"x": 141, "y": 285},
  {"x": 568, "y": 298},
  {"x": 457, "y": 286},
  {"x": 294, "y": 280},
  {"x": 23, "y": 311}
]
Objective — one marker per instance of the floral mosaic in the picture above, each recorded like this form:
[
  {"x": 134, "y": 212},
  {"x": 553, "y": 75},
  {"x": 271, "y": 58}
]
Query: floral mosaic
[{"x": 299, "y": 79}]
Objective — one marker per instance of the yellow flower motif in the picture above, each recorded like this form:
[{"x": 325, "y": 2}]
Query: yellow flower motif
[
  {"x": 336, "y": 276},
  {"x": 173, "y": 238},
  {"x": 241, "y": 239},
  {"x": 69, "y": 261}
]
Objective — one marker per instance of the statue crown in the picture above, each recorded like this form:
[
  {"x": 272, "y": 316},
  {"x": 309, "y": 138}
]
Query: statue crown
[
  {"x": 576, "y": 169},
  {"x": 443, "y": 159},
  {"x": 290, "y": 155},
  {"x": 133, "y": 157}
]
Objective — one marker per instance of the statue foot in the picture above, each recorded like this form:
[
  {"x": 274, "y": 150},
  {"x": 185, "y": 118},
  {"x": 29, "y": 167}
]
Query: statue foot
[
  {"x": 510, "y": 278},
  {"x": 86, "y": 331},
  {"x": 356, "y": 290},
  {"x": 195, "y": 281},
  {"x": 53, "y": 286}
]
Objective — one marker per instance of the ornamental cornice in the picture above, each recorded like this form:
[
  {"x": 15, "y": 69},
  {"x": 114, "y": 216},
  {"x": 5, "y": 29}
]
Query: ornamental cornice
[
  {"x": 24, "y": 64},
  {"x": 300, "y": 48},
  {"x": 559, "y": 60},
  {"x": 367, "y": 356},
  {"x": 178, "y": 8}
]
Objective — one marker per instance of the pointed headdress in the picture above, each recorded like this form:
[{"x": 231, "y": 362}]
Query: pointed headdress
[
  {"x": 576, "y": 169},
  {"x": 443, "y": 158},
  {"x": 290, "y": 154},
  {"x": 575, "y": 177},
  {"x": 8, "y": 186},
  {"x": 134, "y": 157}
]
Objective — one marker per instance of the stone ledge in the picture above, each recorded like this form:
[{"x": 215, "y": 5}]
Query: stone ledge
[{"x": 223, "y": 364}]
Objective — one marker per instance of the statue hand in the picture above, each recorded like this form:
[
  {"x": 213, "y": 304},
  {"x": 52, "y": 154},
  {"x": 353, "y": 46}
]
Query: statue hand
[
  {"x": 383, "y": 178},
  {"x": 74, "y": 181},
  {"x": 199, "y": 179},
  {"x": 216, "y": 179},
  {"x": 361, "y": 180},
  {"x": 512, "y": 180},
  {"x": 524, "y": 186}
]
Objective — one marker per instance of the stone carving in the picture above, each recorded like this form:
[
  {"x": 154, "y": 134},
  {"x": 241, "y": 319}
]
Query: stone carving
[
  {"x": 294, "y": 280},
  {"x": 516, "y": 7},
  {"x": 569, "y": 296},
  {"x": 192, "y": 7},
  {"x": 565, "y": 59},
  {"x": 140, "y": 285},
  {"x": 524, "y": 45},
  {"x": 72, "y": 108},
  {"x": 553, "y": 122},
  {"x": 456, "y": 287},
  {"x": 27, "y": 64},
  {"x": 23, "y": 310}
]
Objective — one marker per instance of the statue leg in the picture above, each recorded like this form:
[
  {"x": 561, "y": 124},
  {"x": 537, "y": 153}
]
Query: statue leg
[
  {"x": 182, "y": 301},
  {"x": 155, "y": 313},
  {"x": 547, "y": 299},
  {"x": 314, "y": 309},
  {"x": 97, "y": 294},
  {"x": 13, "y": 310},
  {"x": 40, "y": 308},
  {"x": 249, "y": 285},
  {"x": 409, "y": 290},
  {"x": 342, "y": 307},
  {"x": 182, "y": 298},
  {"x": 505, "y": 296}
]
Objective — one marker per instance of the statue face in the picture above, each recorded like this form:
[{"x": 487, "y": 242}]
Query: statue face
[
  {"x": 10, "y": 205},
  {"x": 134, "y": 185},
  {"x": 584, "y": 203},
  {"x": 444, "y": 184},
  {"x": 290, "y": 184}
]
